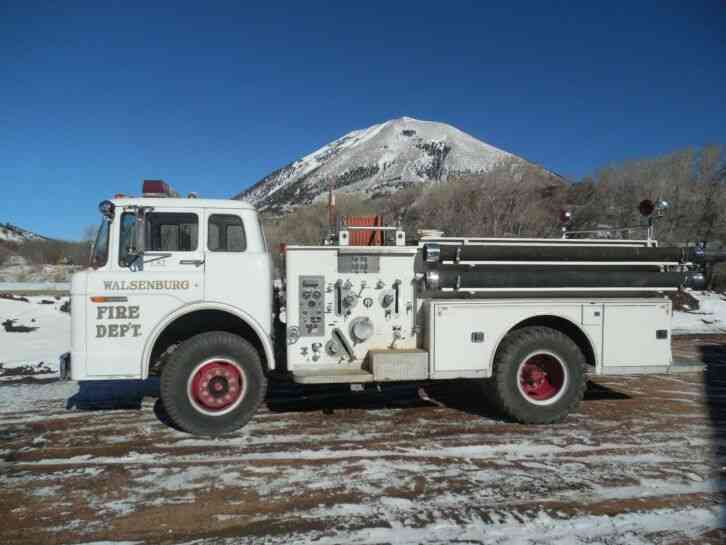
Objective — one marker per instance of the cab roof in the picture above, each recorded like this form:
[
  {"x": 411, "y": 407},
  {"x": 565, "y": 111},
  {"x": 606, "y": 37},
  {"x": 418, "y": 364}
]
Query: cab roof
[{"x": 167, "y": 202}]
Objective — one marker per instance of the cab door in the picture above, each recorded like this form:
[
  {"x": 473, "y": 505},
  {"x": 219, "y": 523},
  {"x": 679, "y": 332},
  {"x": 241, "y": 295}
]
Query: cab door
[
  {"x": 238, "y": 265},
  {"x": 126, "y": 303}
]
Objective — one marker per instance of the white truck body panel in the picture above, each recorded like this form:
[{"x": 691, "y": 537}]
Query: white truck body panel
[
  {"x": 631, "y": 344},
  {"x": 462, "y": 336}
]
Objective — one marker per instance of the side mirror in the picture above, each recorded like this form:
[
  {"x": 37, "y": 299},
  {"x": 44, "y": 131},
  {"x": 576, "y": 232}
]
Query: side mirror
[{"x": 139, "y": 232}]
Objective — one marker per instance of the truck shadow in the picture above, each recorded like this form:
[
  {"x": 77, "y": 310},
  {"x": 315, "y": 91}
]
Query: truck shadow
[
  {"x": 290, "y": 397},
  {"x": 462, "y": 395},
  {"x": 713, "y": 354},
  {"x": 112, "y": 394},
  {"x": 282, "y": 396},
  {"x": 599, "y": 392}
]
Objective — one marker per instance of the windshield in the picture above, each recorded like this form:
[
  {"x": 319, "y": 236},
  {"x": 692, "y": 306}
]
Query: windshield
[{"x": 99, "y": 254}]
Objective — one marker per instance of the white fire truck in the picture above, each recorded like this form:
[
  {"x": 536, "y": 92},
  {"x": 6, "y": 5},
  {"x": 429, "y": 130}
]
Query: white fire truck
[{"x": 183, "y": 287}]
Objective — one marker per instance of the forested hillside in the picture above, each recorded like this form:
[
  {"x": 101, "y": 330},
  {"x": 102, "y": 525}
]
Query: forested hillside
[
  {"x": 693, "y": 181},
  {"x": 500, "y": 203}
]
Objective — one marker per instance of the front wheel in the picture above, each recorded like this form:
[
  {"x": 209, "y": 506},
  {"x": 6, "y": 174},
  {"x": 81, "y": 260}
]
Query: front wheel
[
  {"x": 539, "y": 376},
  {"x": 213, "y": 383}
]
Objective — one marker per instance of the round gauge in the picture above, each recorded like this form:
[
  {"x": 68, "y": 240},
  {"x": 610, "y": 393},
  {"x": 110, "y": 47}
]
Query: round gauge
[
  {"x": 361, "y": 329},
  {"x": 386, "y": 298}
]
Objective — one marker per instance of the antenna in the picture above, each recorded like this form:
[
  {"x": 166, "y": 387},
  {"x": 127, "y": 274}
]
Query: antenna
[{"x": 332, "y": 221}]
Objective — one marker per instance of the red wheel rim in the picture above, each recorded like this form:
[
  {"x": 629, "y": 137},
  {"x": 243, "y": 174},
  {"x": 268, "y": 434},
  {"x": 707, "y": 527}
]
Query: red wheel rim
[
  {"x": 216, "y": 386},
  {"x": 542, "y": 378}
]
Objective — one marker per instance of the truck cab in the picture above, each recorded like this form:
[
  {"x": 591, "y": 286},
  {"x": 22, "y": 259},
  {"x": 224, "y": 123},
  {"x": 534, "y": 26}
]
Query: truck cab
[{"x": 163, "y": 267}]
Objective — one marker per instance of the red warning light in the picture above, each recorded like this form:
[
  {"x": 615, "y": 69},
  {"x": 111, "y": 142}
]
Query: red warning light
[
  {"x": 158, "y": 188},
  {"x": 646, "y": 207}
]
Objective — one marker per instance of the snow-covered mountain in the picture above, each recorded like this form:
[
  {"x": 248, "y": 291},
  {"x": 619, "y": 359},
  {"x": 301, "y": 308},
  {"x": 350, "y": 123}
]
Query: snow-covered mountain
[
  {"x": 13, "y": 233},
  {"x": 379, "y": 160}
]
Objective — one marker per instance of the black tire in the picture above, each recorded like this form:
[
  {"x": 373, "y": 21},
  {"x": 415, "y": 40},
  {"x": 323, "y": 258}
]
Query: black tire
[
  {"x": 175, "y": 380},
  {"x": 520, "y": 345}
]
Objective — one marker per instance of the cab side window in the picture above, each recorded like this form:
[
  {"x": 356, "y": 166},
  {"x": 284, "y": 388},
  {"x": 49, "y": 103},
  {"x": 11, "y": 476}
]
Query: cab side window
[
  {"x": 171, "y": 232},
  {"x": 226, "y": 233}
]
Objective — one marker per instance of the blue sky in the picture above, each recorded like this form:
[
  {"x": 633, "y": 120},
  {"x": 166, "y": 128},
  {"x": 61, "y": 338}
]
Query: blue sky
[{"x": 212, "y": 96}]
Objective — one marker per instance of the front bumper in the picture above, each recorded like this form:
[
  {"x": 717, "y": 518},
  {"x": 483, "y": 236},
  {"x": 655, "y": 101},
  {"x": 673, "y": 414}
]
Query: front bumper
[{"x": 65, "y": 366}]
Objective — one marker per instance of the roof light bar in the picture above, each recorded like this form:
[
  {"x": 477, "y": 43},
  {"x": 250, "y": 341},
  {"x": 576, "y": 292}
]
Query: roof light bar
[{"x": 158, "y": 188}]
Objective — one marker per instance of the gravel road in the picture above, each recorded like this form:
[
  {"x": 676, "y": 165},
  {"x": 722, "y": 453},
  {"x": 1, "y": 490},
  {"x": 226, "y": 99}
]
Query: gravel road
[{"x": 639, "y": 463}]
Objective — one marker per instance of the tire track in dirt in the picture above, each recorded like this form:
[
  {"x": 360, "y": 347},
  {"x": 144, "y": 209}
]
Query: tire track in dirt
[{"x": 642, "y": 454}]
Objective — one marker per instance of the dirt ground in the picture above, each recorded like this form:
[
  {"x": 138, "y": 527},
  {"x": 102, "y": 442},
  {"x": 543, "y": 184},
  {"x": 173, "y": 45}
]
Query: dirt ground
[{"x": 640, "y": 462}]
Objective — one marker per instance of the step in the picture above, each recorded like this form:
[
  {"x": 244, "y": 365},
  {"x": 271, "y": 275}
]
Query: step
[
  {"x": 686, "y": 367},
  {"x": 332, "y": 376}
]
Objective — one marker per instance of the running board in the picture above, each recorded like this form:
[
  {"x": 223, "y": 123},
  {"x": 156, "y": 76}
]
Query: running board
[{"x": 332, "y": 376}]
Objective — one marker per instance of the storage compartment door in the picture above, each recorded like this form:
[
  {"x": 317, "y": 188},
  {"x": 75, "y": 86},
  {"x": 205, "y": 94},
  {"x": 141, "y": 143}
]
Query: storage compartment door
[
  {"x": 637, "y": 335},
  {"x": 463, "y": 340}
]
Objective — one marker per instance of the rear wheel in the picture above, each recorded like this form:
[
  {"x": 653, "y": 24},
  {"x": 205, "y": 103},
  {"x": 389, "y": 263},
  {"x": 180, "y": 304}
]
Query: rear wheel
[
  {"x": 213, "y": 383},
  {"x": 539, "y": 376}
]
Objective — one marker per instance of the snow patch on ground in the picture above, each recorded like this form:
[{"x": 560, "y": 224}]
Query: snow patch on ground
[
  {"x": 541, "y": 529},
  {"x": 709, "y": 318},
  {"x": 24, "y": 397},
  {"x": 49, "y": 337}
]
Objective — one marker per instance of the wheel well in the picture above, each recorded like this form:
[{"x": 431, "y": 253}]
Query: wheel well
[
  {"x": 564, "y": 326},
  {"x": 202, "y": 321}
]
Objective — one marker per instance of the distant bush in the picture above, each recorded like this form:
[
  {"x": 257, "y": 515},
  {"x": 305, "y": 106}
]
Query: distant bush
[
  {"x": 718, "y": 277},
  {"x": 508, "y": 201},
  {"x": 5, "y": 252},
  {"x": 54, "y": 252}
]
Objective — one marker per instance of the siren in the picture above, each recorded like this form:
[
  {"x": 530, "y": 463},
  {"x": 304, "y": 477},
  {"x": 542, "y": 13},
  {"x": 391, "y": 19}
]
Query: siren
[
  {"x": 661, "y": 206},
  {"x": 158, "y": 188},
  {"x": 647, "y": 207}
]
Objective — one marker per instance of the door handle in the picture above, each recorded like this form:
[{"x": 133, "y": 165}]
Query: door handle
[{"x": 195, "y": 262}]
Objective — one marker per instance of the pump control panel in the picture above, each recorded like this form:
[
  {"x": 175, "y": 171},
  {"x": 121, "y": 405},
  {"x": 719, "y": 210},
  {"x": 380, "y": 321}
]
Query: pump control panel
[
  {"x": 346, "y": 302},
  {"x": 312, "y": 306}
]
